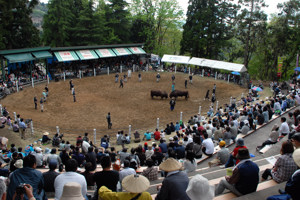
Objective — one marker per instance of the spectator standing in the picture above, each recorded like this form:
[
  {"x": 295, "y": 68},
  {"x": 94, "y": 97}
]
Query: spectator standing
[
  {"x": 35, "y": 102},
  {"x": 22, "y": 127},
  {"x": 42, "y": 104},
  {"x": 108, "y": 118},
  {"x": 172, "y": 103}
]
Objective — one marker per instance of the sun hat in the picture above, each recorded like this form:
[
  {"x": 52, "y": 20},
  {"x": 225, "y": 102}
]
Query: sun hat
[
  {"x": 46, "y": 133},
  {"x": 72, "y": 191},
  {"x": 296, "y": 157},
  {"x": 170, "y": 165},
  {"x": 240, "y": 142},
  {"x": 222, "y": 143},
  {"x": 199, "y": 188},
  {"x": 135, "y": 183},
  {"x": 243, "y": 153},
  {"x": 38, "y": 149},
  {"x": 19, "y": 164}
]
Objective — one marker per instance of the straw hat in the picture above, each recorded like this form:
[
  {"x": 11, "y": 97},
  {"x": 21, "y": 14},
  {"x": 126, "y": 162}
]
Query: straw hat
[
  {"x": 135, "y": 183},
  {"x": 296, "y": 157},
  {"x": 170, "y": 165},
  {"x": 199, "y": 188},
  {"x": 46, "y": 133},
  {"x": 19, "y": 164},
  {"x": 72, "y": 191}
]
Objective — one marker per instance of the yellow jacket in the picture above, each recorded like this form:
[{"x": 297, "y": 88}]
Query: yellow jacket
[{"x": 107, "y": 194}]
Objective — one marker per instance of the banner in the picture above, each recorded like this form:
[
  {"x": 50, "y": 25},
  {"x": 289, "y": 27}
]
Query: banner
[{"x": 280, "y": 64}]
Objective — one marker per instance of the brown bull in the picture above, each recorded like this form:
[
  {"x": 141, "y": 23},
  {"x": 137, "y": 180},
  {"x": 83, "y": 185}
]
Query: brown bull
[
  {"x": 179, "y": 93},
  {"x": 158, "y": 93}
]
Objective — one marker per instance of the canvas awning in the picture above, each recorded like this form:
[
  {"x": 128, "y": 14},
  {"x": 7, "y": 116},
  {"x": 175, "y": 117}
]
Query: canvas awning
[
  {"x": 105, "y": 53},
  {"x": 122, "y": 51},
  {"x": 20, "y": 57},
  {"x": 218, "y": 64},
  {"x": 66, "y": 56},
  {"x": 175, "y": 59},
  {"x": 137, "y": 50},
  {"x": 42, "y": 54},
  {"x": 87, "y": 54}
]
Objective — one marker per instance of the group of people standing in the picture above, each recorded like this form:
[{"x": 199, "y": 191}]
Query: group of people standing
[{"x": 44, "y": 97}]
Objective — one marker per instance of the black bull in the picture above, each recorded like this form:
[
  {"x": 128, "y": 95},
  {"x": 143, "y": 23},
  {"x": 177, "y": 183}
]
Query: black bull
[
  {"x": 178, "y": 93},
  {"x": 158, "y": 93}
]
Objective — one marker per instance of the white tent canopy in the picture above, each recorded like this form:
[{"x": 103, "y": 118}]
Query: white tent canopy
[
  {"x": 217, "y": 64},
  {"x": 175, "y": 59}
]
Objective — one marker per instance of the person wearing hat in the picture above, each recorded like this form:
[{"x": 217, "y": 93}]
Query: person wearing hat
[
  {"x": 45, "y": 138},
  {"x": 233, "y": 156},
  {"x": 199, "y": 189},
  {"x": 222, "y": 155},
  {"x": 296, "y": 140},
  {"x": 175, "y": 183},
  {"x": 245, "y": 176},
  {"x": 71, "y": 191},
  {"x": 293, "y": 184},
  {"x": 135, "y": 185},
  {"x": 39, "y": 157},
  {"x": 272, "y": 138}
]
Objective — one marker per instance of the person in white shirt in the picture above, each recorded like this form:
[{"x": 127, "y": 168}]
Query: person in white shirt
[
  {"x": 207, "y": 145},
  {"x": 69, "y": 176},
  {"x": 284, "y": 128}
]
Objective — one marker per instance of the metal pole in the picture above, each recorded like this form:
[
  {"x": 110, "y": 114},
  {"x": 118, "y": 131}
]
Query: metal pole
[
  {"x": 228, "y": 77},
  {"x": 80, "y": 74},
  {"x": 129, "y": 130},
  {"x": 64, "y": 76},
  {"x": 175, "y": 69},
  {"x": 147, "y": 67},
  {"x": 217, "y": 105},
  {"x": 48, "y": 80},
  {"x": 133, "y": 66},
  {"x": 31, "y": 126},
  {"x": 95, "y": 136},
  {"x": 94, "y": 71},
  {"x": 216, "y": 75},
  {"x": 202, "y": 72},
  {"x": 32, "y": 83},
  {"x": 15, "y": 116},
  {"x": 120, "y": 68},
  {"x": 107, "y": 70},
  {"x": 157, "y": 123},
  {"x": 17, "y": 85},
  {"x": 189, "y": 70},
  {"x": 242, "y": 95},
  {"x": 57, "y": 129},
  {"x": 180, "y": 116}
]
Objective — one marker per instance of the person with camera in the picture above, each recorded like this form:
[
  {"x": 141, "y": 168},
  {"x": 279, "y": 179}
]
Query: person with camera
[
  {"x": 22, "y": 189},
  {"x": 29, "y": 175}
]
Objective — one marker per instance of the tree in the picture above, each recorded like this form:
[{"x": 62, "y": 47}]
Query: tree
[
  {"x": 57, "y": 23},
  {"x": 249, "y": 21},
  {"x": 16, "y": 27}
]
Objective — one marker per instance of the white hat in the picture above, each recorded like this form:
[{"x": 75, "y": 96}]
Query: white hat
[
  {"x": 246, "y": 122},
  {"x": 135, "y": 183},
  {"x": 38, "y": 149},
  {"x": 72, "y": 191},
  {"x": 199, "y": 189},
  {"x": 296, "y": 157},
  {"x": 170, "y": 165},
  {"x": 19, "y": 163}
]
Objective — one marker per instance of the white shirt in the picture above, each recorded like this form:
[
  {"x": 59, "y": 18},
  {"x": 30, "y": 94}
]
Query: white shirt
[
  {"x": 85, "y": 146},
  {"x": 68, "y": 177},
  {"x": 209, "y": 145},
  {"x": 284, "y": 128},
  {"x": 125, "y": 172}
]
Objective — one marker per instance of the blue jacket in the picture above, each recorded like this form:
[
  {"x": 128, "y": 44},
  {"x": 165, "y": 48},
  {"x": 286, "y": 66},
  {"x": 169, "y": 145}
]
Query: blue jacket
[
  {"x": 30, "y": 176},
  {"x": 293, "y": 185}
]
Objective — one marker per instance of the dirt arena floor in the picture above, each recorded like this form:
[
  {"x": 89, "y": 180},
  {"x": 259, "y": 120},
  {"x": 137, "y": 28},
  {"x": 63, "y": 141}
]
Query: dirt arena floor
[{"x": 131, "y": 105}]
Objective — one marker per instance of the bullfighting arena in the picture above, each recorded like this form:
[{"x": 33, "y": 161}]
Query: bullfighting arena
[{"x": 131, "y": 105}]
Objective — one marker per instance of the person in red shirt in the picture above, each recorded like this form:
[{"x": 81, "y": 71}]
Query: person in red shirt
[
  {"x": 156, "y": 134},
  {"x": 232, "y": 159}
]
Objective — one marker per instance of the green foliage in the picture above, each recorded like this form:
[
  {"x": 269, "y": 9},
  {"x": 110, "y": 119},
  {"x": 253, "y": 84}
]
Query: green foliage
[{"x": 16, "y": 29}]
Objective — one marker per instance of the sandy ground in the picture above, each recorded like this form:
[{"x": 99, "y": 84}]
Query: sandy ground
[{"x": 131, "y": 105}]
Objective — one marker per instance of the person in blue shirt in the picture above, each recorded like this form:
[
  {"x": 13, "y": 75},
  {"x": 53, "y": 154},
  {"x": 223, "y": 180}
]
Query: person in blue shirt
[
  {"x": 147, "y": 135},
  {"x": 28, "y": 149}
]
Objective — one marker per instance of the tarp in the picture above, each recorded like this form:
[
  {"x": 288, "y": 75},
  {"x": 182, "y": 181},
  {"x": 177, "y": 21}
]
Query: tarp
[
  {"x": 217, "y": 64},
  {"x": 87, "y": 54},
  {"x": 66, "y": 56},
  {"x": 175, "y": 59},
  {"x": 137, "y": 50},
  {"x": 20, "y": 57},
  {"x": 105, "y": 53},
  {"x": 122, "y": 51},
  {"x": 42, "y": 54}
]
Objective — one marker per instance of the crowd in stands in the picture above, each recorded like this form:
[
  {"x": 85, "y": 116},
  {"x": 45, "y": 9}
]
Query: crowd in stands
[{"x": 173, "y": 156}]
